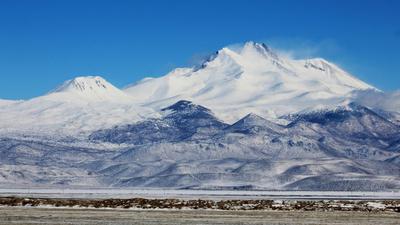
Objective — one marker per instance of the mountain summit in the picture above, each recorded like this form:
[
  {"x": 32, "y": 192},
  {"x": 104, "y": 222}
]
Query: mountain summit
[
  {"x": 236, "y": 81},
  {"x": 232, "y": 83},
  {"x": 90, "y": 88},
  {"x": 84, "y": 84},
  {"x": 213, "y": 126}
]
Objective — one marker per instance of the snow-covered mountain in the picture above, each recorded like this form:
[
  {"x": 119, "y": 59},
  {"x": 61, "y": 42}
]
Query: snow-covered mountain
[
  {"x": 88, "y": 89},
  {"x": 246, "y": 117},
  {"x": 79, "y": 105},
  {"x": 351, "y": 148},
  {"x": 233, "y": 82},
  {"x": 252, "y": 79}
]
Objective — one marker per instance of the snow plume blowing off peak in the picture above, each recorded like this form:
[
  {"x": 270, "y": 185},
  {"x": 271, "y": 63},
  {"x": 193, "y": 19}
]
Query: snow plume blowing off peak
[
  {"x": 247, "y": 118},
  {"x": 250, "y": 78},
  {"x": 233, "y": 82}
]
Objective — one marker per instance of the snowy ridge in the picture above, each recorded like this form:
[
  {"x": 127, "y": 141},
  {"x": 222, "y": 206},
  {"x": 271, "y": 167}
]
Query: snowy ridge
[
  {"x": 4, "y": 102},
  {"x": 349, "y": 149},
  {"x": 89, "y": 88},
  {"x": 235, "y": 82},
  {"x": 246, "y": 118},
  {"x": 76, "y": 107},
  {"x": 232, "y": 83}
]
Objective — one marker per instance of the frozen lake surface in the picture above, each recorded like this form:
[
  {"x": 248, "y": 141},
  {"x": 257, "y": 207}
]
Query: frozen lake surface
[
  {"x": 193, "y": 194},
  {"x": 28, "y": 216}
]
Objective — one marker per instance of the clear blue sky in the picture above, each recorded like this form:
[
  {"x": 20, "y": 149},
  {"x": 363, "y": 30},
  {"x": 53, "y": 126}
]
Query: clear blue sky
[{"x": 43, "y": 43}]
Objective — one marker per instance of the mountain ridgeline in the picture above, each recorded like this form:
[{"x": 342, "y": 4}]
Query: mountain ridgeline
[
  {"x": 348, "y": 148},
  {"x": 245, "y": 118},
  {"x": 183, "y": 121}
]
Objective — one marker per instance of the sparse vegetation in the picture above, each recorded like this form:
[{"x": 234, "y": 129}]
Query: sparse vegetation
[{"x": 142, "y": 203}]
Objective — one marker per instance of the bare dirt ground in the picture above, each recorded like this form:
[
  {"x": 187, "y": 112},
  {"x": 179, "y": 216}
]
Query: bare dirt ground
[
  {"x": 27, "y": 211},
  {"x": 55, "y": 216}
]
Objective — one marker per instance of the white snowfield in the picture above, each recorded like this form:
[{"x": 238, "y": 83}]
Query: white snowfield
[
  {"x": 252, "y": 79},
  {"x": 78, "y": 106},
  {"x": 335, "y": 133},
  {"x": 232, "y": 83}
]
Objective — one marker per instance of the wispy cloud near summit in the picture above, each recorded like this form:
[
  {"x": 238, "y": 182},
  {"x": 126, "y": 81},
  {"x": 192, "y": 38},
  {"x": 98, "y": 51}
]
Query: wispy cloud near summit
[{"x": 303, "y": 48}]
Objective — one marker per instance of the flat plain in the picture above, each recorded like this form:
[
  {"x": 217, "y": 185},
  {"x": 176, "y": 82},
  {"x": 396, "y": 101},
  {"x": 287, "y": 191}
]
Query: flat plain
[{"x": 64, "y": 216}]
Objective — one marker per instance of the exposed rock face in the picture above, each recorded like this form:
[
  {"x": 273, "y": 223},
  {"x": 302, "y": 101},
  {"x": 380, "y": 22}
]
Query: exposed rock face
[
  {"x": 346, "y": 148},
  {"x": 245, "y": 118}
]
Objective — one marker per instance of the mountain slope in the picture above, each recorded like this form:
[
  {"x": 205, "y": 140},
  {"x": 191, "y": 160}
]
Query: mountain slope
[
  {"x": 341, "y": 149},
  {"x": 182, "y": 120},
  {"x": 88, "y": 89},
  {"x": 235, "y": 82},
  {"x": 211, "y": 126},
  {"x": 232, "y": 83},
  {"x": 352, "y": 121},
  {"x": 79, "y": 105},
  {"x": 188, "y": 147}
]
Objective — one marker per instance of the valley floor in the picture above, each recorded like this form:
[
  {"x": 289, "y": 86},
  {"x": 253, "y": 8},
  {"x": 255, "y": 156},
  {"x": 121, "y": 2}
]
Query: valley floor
[
  {"x": 125, "y": 193},
  {"x": 28, "y": 216}
]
